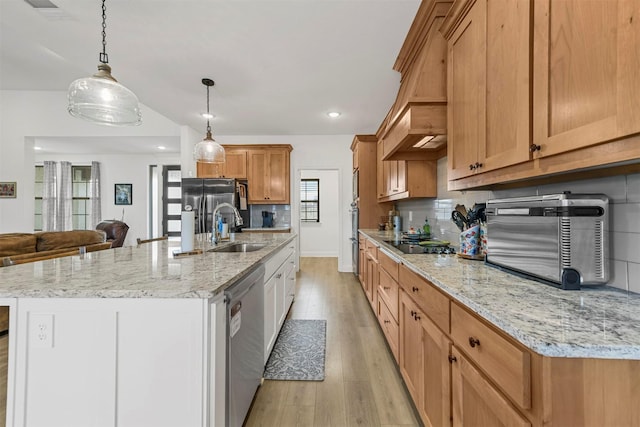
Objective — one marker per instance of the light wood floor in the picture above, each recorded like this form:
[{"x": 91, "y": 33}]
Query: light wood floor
[{"x": 362, "y": 385}]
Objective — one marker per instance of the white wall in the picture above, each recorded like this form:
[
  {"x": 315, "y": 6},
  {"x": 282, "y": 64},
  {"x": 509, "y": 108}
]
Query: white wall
[
  {"x": 26, "y": 115},
  {"x": 130, "y": 169},
  {"x": 322, "y": 239},
  {"x": 315, "y": 152}
]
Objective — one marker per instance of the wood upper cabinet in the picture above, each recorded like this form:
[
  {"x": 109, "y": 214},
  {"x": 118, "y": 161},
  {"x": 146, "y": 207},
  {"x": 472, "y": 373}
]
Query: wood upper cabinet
[
  {"x": 586, "y": 64},
  {"x": 488, "y": 85},
  {"x": 406, "y": 179},
  {"x": 268, "y": 176},
  {"x": 235, "y": 166}
]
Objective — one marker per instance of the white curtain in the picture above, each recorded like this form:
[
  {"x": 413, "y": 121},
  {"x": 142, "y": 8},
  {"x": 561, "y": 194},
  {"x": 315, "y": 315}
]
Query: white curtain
[
  {"x": 65, "y": 198},
  {"x": 49, "y": 196},
  {"x": 96, "y": 205}
]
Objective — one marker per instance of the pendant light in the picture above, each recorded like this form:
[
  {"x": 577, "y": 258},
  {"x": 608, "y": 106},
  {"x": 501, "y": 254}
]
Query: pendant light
[
  {"x": 100, "y": 98},
  {"x": 208, "y": 150}
]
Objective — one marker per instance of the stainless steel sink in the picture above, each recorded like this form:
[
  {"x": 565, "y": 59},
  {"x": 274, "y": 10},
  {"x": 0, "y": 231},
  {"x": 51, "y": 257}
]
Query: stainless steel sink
[{"x": 239, "y": 247}]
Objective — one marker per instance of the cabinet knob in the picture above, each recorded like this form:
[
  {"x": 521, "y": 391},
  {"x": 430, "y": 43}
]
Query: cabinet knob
[
  {"x": 533, "y": 148},
  {"x": 473, "y": 341},
  {"x": 452, "y": 359},
  {"x": 414, "y": 289}
]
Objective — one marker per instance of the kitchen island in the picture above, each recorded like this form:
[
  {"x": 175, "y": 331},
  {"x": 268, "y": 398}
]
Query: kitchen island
[
  {"x": 130, "y": 336},
  {"x": 502, "y": 348}
]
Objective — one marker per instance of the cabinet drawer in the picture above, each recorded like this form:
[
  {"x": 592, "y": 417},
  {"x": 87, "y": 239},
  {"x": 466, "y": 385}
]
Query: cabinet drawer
[
  {"x": 431, "y": 301},
  {"x": 389, "y": 264},
  {"x": 388, "y": 291},
  {"x": 372, "y": 249},
  {"x": 504, "y": 362},
  {"x": 389, "y": 326}
]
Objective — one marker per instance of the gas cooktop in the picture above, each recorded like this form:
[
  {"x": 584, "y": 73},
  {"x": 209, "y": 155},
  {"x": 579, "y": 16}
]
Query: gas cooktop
[{"x": 410, "y": 247}]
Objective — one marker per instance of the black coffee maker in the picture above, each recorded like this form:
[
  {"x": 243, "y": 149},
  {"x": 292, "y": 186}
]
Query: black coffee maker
[{"x": 268, "y": 219}]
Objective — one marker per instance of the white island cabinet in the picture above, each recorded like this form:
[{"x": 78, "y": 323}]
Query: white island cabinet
[
  {"x": 131, "y": 336},
  {"x": 279, "y": 290},
  {"x": 118, "y": 362}
]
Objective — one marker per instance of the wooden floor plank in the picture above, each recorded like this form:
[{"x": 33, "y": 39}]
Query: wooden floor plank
[{"x": 362, "y": 386}]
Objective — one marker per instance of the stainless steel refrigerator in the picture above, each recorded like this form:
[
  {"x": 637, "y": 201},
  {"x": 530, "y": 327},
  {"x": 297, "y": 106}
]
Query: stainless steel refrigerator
[{"x": 202, "y": 195}]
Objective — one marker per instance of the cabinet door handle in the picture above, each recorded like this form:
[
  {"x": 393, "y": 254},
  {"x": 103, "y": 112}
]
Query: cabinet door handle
[
  {"x": 386, "y": 288},
  {"x": 478, "y": 165},
  {"x": 417, "y": 317},
  {"x": 413, "y": 313},
  {"x": 278, "y": 275},
  {"x": 472, "y": 167},
  {"x": 452, "y": 358},
  {"x": 473, "y": 341},
  {"x": 414, "y": 289},
  {"x": 534, "y": 147}
]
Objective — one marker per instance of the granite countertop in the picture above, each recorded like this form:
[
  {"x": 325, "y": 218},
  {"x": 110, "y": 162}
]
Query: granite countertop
[
  {"x": 597, "y": 322},
  {"x": 148, "y": 270}
]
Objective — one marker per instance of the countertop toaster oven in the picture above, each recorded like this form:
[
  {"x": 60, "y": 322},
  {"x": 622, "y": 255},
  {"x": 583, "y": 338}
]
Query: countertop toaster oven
[{"x": 561, "y": 239}]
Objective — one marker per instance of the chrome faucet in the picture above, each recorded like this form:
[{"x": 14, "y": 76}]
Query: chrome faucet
[{"x": 215, "y": 234}]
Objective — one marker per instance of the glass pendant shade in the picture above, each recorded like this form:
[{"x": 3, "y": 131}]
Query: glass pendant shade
[
  {"x": 101, "y": 99},
  {"x": 209, "y": 151}
]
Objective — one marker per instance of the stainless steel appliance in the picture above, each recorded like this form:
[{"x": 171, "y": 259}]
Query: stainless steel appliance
[
  {"x": 245, "y": 344},
  {"x": 355, "y": 184},
  {"x": 416, "y": 247},
  {"x": 202, "y": 195},
  {"x": 561, "y": 239},
  {"x": 354, "y": 238}
]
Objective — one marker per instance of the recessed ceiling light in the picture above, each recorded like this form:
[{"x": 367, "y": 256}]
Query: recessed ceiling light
[
  {"x": 333, "y": 114},
  {"x": 162, "y": 147},
  {"x": 37, "y": 148},
  {"x": 207, "y": 115}
]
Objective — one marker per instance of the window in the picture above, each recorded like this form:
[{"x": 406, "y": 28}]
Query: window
[
  {"x": 81, "y": 190},
  {"x": 37, "y": 223},
  {"x": 81, "y": 203},
  {"x": 310, "y": 200}
]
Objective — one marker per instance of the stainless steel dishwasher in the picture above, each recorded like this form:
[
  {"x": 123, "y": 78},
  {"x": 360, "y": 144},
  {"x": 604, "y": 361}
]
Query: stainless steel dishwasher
[{"x": 245, "y": 344}]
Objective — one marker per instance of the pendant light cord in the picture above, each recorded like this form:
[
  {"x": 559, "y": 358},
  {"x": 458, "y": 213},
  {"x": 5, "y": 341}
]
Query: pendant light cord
[
  {"x": 104, "y": 58},
  {"x": 208, "y": 126}
]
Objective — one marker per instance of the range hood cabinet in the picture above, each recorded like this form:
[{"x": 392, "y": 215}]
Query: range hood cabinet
[{"x": 416, "y": 126}]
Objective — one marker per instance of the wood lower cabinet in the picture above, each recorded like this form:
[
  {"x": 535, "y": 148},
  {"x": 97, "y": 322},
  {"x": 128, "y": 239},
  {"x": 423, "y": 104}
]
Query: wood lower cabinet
[
  {"x": 585, "y": 73},
  {"x": 371, "y": 275},
  {"x": 462, "y": 370},
  {"x": 476, "y": 402},
  {"x": 424, "y": 363},
  {"x": 268, "y": 175}
]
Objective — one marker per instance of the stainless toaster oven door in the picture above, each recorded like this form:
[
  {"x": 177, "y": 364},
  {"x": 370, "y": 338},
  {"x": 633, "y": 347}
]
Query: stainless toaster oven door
[{"x": 524, "y": 243}]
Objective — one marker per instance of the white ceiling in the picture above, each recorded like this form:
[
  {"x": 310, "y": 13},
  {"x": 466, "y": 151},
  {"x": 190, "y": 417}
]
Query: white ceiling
[{"x": 279, "y": 66}]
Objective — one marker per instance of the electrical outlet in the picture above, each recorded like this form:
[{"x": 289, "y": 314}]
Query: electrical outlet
[
  {"x": 410, "y": 216},
  {"x": 41, "y": 330}
]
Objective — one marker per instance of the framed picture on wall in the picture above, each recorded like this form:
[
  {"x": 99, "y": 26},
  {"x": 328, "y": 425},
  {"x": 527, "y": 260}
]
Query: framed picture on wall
[
  {"x": 8, "y": 189},
  {"x": 123, "y": 194}
]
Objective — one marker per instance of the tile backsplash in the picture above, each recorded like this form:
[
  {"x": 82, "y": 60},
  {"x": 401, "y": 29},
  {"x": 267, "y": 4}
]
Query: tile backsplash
[
  {"x": 624, "y": 198},
  {"x": 282, "y": 217}
]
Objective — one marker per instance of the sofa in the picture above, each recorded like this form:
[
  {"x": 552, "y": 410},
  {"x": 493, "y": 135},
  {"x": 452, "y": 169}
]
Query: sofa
[
  {"x": 116, "y": 231},
  {"x": 18, "y": 248}
]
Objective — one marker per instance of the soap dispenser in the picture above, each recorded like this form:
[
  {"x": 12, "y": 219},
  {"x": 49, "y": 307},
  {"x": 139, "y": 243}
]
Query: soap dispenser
[{"x": 426, "y": 228}]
